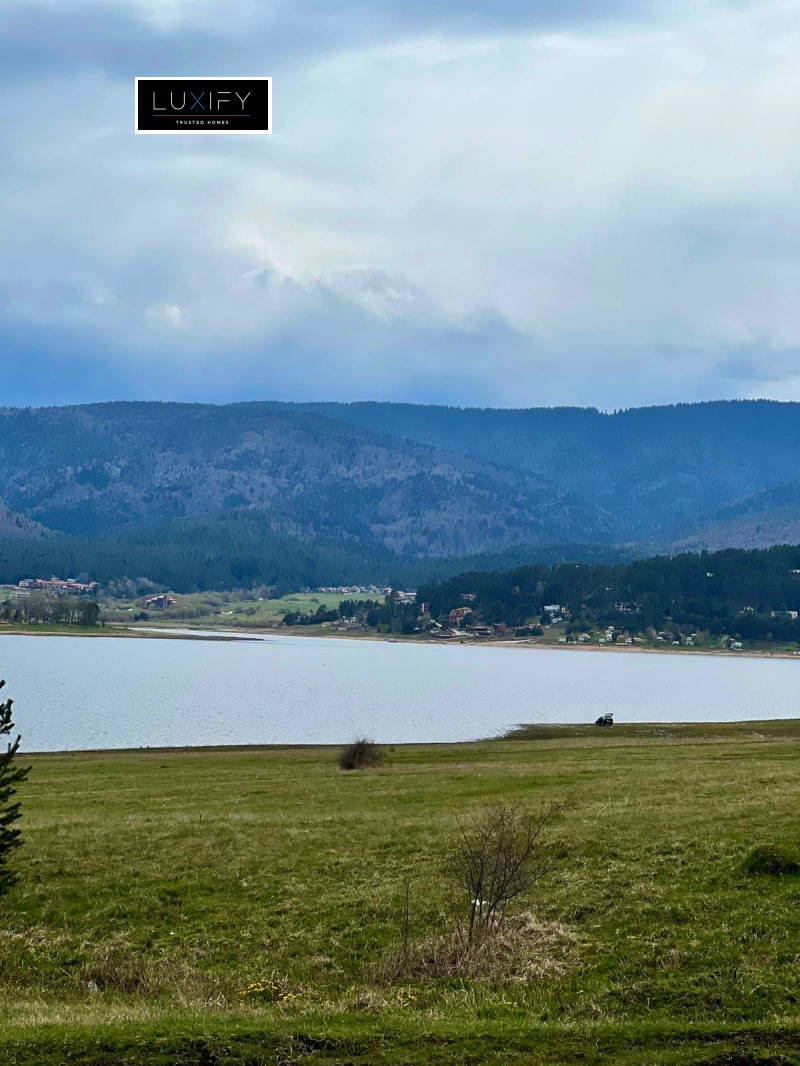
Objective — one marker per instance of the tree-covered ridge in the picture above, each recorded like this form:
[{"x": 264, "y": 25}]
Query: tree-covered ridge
[
  {"x": 662, "y": 472},
  {"x": 102, "y": 468},
  {"x": 423, "y": 481},
  {"x": 748, "y": 593}
]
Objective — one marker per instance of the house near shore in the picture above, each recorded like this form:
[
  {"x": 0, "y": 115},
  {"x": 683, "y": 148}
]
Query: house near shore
[{"x": 158, "y": 603}]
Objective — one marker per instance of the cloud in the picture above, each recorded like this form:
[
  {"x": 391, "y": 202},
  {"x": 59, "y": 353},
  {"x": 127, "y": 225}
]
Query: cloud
[
  {"x": 206, "y": 36},
  {"x": 580, "y": 203},
  {"x": 170, "y": 314}
]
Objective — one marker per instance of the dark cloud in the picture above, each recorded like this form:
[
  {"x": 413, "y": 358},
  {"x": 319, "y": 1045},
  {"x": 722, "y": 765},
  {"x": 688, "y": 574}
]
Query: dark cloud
[
  {"x": 335, "y": 351},
  {"x": 121, "y": 42},
  {"x": 761, "y": 362}
]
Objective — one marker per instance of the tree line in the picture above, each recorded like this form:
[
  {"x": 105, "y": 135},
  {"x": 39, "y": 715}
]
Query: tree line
[
  {"x": 43, "y": 607},
  {"x": 240, "y": 549},
  {"x": 750, "y": 593},
  {"x": 386, "y": 616}
]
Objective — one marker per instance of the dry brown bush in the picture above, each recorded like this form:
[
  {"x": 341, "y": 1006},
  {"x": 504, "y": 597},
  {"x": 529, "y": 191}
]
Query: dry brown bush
[{"x": 517, "y": 949}]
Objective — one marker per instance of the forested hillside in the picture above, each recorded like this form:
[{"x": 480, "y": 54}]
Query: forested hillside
[
  {"x": 239, "y": 550},
  {"x": 106, "y": 467},
  {"x": 293, "y": 492},
  {"x": 751, "y": 594},
  {"x": 664, "y": 472}
]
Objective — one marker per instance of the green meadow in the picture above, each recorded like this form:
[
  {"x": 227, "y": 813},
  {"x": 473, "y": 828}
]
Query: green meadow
[
  {"x": 230, "y": 609},
  {"x": 235, "y": 906}
]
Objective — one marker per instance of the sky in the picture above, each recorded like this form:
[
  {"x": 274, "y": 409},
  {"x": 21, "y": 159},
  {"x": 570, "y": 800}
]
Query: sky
[{"x": 589, "y": 202}]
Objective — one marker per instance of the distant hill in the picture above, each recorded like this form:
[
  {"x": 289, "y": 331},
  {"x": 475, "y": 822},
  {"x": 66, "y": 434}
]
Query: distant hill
[
  {"x": 662, "y": 472},
  {"x": 766, "y": 518},
  {"x": 102, "y": 468},
  {"x": 403, "y": 483}
]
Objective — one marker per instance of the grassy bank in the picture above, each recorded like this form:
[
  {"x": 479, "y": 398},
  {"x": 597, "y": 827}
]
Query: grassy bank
[{"x": 158, "y": 887}]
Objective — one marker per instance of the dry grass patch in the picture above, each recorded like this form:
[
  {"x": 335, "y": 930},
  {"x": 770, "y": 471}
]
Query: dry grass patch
[
  {"x": 519, "y": 949},
  {"x": 117, "y": 966}
]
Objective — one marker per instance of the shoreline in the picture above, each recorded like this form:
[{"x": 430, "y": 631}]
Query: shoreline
[
  {"x": 745, "y": 730},
  {"x": 108, "y": 631},
  {"x": 183, "y": 631}
]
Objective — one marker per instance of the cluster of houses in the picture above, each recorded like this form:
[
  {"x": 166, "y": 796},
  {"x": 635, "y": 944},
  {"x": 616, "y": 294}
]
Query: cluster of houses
[
  {"x": 350, "y": 590},
  {"x": 440, "y": 633},
  {"x": 401, "y": 595},
  {"x": 458, "y": 622},
  {"x": 580, "y": 638},
  {"x": 56, "y": 585},
  {"x": 459, "y": 626}
]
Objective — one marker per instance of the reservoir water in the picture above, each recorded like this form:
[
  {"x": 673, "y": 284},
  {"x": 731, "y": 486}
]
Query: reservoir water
[{"x": 73, "y": 693}]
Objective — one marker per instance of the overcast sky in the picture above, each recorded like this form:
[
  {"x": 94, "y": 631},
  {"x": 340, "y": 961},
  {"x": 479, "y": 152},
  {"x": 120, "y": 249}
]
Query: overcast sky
[{"x": 517, "y": 203}]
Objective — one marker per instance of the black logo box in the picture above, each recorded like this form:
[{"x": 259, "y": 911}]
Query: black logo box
[{"x": 203, "y": 105}]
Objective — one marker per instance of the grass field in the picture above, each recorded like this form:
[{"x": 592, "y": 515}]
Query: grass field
[
  {"x": 225, "y": 608},
  {"x": 157, "y": 887}
]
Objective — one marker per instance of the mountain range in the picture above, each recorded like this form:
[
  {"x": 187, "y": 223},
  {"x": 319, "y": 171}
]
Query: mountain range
[{"x": 411, "y": 481}]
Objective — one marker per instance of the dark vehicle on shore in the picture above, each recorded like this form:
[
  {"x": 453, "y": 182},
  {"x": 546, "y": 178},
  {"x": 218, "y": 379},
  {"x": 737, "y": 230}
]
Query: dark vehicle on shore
[{"x": 605, "y": 719}]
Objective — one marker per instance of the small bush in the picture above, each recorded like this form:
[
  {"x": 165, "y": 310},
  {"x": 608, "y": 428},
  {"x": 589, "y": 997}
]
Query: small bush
[
  {"x": 361, "y": 755},
  {"x": 771, "y": 859},
  {"x": 496, "y": 857}
]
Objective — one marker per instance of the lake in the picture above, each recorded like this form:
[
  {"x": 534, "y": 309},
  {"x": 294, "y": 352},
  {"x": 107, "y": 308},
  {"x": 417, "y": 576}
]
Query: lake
[{"x": 109, "y": 692}]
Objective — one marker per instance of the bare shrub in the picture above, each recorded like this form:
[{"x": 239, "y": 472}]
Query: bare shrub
[
  {"x": 496, "y": 857},
  {"x": 519, "y": 949},
  {"x": 362, "y": 754}
]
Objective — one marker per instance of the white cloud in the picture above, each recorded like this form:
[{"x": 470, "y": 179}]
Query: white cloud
[
  {"x": 170, "y": 314},
  {"x": 486, "y": 212}
]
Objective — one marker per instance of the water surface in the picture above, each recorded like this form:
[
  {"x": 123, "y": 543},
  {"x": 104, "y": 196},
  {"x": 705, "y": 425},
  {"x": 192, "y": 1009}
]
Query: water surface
[{"x": 109, "y": 692}]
